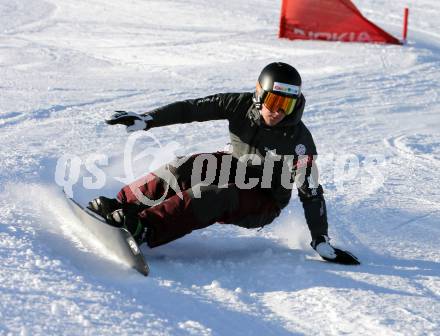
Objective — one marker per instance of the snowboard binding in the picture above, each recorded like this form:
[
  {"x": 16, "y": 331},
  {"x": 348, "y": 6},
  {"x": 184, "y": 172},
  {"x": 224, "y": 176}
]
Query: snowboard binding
[
  {"x": 104, "y": 206},
  {"x": 129, "y": 221}
]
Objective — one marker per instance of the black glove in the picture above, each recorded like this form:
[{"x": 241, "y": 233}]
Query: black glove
[
  {"x": 133, "y": 121},
  {"x": 343, "y": 257},
  {"x": 333, "y": 254}
]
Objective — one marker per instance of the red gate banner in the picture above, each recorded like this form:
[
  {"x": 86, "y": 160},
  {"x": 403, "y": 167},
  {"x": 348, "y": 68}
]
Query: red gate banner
[{"x": 329, "y": 20}]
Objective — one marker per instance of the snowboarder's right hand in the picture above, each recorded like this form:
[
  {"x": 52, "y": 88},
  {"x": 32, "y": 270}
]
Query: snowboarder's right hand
[{"x": 133, "y": 121}]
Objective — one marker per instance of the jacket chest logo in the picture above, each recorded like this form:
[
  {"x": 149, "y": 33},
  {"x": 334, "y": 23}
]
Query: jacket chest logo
[{"x": 300, "y": 149}]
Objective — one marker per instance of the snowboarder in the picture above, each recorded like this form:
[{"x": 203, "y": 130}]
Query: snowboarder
[{"x": 270, "y": 145}]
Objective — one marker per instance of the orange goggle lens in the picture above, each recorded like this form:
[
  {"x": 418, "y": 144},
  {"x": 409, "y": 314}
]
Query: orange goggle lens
[{"x": 276, "y": 102}]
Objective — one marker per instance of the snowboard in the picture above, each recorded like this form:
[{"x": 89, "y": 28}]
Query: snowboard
[{"x": 119, "y": 240}]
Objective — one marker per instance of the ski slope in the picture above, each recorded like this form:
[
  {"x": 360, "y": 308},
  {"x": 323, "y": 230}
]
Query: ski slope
[{"x": 373, "y": 111}]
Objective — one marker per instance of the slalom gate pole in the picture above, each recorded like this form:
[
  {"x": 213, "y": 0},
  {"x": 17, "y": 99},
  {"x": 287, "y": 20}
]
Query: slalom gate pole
[
  {"x": 281, "y": 31},
  {"x": 405, "y": 24}
]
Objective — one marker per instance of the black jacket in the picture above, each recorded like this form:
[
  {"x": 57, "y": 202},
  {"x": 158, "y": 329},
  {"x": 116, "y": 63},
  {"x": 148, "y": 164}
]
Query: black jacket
[{"x": 249, "y": 135}]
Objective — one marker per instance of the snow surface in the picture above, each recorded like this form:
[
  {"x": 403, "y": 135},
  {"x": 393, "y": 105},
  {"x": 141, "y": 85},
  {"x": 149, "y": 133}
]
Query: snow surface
[{"x": 373, "y": 111}]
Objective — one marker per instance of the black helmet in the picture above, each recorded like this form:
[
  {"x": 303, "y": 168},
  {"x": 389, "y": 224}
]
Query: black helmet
[{"x": 278, "y": 78}]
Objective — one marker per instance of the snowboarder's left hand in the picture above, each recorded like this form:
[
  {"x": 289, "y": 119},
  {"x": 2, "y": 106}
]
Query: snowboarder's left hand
[
  {"x": 333, "y": 254},
  {"x": 133, "y": 121}
]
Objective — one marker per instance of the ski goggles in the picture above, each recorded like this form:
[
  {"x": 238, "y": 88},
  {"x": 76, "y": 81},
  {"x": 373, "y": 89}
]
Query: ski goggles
[{"x": 275, "y": 102}]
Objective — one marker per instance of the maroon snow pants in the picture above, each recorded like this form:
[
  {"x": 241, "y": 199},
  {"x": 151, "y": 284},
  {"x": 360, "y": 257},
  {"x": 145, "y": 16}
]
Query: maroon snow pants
[{"x": 181, "y": 207}]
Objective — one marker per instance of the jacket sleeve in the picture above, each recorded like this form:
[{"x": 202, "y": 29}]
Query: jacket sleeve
[
  {"x": 213, "y": 107},
  {"x": 310, "y": 192}
]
